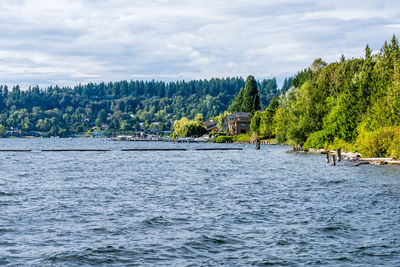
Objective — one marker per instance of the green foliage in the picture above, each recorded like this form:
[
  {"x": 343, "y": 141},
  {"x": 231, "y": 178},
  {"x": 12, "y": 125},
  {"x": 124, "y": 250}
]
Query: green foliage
[
  {"x": 287, "y": 83},
  {"x": 187, "y": 128},
  {"x": 263, "y": 123},
  {"x": 119, "y": 107},
  {"x": 255, "y": 123},
  {"x": 232, "y": 138},
  {"x": 268, "y": 89},
  {"x": 115, "y": 107},
  {"x": 341, "y": 121},
  {"x": 302, "y": 77},
  {"x": 251, "y": 100},
  {"x": 236, "y": 105},
  {"x": 199, "y": 118},
  {"x": 282, "y": 120},
  {"x": 351, "y": 103},
  {"x": 224, "y": 139},
  {"x": 315, "y": 140},
  {"x": 243, "y": 137},
  {"x": 306, "y": 112},
  {"x": 384, "y": 142},
  {"x": 2, "y": 131}
]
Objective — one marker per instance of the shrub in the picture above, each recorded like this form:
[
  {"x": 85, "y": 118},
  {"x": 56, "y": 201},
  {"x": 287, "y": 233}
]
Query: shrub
[
  {"x": 384, "y": 142},
  {"x": 224, "y": 139},
  {"x": 315, "y": 140},
  {"x": 242, "y": 137}
]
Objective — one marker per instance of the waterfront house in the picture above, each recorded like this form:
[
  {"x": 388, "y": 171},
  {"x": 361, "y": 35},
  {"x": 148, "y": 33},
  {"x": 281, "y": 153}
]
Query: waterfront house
[
  {"x": 237, "y": 123},
  {"x": 211, "y": 126}
]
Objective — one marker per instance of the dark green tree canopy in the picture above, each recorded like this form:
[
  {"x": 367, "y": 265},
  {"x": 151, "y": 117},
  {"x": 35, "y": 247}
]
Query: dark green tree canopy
[
  {"x": 115, "y": 107},
  {"x": 251, "y": 100},
  {"x": 236, "y": 105}
]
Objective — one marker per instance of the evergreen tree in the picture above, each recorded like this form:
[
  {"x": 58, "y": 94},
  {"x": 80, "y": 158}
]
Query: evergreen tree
[
  {"x": 236, "y": 105},
  {"x": 251, "y": 100},
  {"x": 364, "y": 91},
  {"x": 286, "y": 85}
]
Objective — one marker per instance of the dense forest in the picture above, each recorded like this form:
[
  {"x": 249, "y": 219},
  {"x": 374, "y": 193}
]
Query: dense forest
[
  {"x": 119, "y": 107},
  {"x": 353, "y": 104}
]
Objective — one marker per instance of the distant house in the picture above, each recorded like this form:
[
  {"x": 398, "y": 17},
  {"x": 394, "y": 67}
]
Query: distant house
[
  {"x": 211, "y": 126},
  {"x": 237, "y": 123}
]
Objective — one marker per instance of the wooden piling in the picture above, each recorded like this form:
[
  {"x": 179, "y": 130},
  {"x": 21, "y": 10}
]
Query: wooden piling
[
  {"x": 339, "y": 154},
  {"x": 333, "y": 160},
  {"x": 258, "y": 144},
  {"x": 327, "y": 158}
]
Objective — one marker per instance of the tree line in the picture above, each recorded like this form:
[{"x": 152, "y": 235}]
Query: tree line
[{"x": 117, "y": 107}]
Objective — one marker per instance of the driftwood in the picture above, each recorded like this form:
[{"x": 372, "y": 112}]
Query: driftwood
[{"x": 360, "y": 163}]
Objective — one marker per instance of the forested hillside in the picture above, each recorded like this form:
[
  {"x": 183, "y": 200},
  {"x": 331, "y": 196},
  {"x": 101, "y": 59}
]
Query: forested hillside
[
  {"x": 118, "y": 107},
  {"x": 353, "y": 103}
]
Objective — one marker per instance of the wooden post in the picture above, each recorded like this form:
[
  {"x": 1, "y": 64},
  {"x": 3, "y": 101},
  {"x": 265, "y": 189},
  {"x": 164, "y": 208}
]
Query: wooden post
[
  {"x": 333, "y": 159},
  {"x": 258, "y": 144},
  {"x": 339, "y": 154},
  {"x": 327, "y": 157}
]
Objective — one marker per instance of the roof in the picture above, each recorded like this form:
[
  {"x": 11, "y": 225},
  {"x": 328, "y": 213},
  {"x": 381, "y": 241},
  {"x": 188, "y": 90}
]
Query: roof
[
  {"x": 210, "y": 124},
  {"x": 239, "y": 114}
]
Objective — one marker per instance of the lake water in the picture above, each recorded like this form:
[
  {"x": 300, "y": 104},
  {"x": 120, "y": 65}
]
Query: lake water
[{"x": 181, "y": 208}]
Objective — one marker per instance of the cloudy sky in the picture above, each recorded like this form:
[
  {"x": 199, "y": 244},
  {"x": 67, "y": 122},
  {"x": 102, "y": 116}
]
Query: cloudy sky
[{"x": 67, "y": 42}]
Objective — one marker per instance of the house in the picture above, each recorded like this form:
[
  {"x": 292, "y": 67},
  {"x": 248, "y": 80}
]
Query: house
[
  {"x": 237, "y": 123},
  {"x": 211, "y": 126}
]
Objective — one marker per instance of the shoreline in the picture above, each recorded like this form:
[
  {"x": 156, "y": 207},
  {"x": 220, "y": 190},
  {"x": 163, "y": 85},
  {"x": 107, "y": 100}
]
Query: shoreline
[
  {"x": 349, "y": 156},
  {"x": 357, "y": 158}
]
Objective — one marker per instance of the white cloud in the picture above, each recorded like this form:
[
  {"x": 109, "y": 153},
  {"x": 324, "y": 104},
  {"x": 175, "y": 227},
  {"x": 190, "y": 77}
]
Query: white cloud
[{"x": 71, "y": 41}]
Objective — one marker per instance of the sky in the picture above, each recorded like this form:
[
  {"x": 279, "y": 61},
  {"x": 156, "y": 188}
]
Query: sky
[{"x": 66, "y": 42}]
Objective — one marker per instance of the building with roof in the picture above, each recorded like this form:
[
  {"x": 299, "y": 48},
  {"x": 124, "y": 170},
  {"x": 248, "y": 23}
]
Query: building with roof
[
  {"x": 237, "y": 123},
  {"x": 212, "y": 126}
]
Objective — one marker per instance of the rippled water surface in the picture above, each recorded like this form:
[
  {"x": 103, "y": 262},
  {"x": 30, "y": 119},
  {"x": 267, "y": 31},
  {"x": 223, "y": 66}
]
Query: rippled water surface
[{"x": 180, "y": 208}]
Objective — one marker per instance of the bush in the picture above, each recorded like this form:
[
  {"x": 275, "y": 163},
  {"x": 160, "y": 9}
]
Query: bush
[
  {"x": 384, "y": 142},
  {"x": 187, "y": 128},
  {"x": 242, "y": 137},
  {"x": 315, "y": 140},
  {"x": 224, "y": 139},
  {"x": 340, "y": 143}
]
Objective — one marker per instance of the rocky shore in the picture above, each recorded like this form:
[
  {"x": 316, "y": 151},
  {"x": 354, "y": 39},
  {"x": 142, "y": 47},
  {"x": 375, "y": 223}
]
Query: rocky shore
[{"x": 357, "y": 158}]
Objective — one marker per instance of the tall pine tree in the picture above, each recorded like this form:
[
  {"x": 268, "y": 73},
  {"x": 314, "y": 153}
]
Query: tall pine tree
[
  {"x": 251, "y": 100},
  {"x": 236, "y": 105}
]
